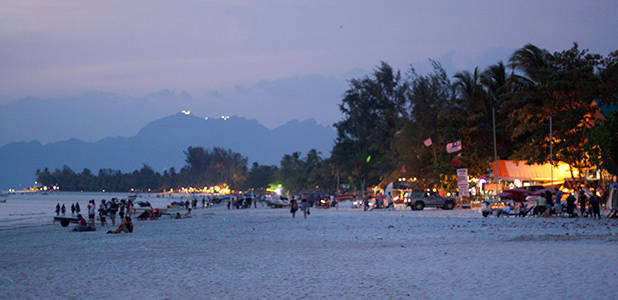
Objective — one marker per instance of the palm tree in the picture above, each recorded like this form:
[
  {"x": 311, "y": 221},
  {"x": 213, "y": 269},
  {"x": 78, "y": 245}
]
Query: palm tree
[{"x": 535, "y": 64}]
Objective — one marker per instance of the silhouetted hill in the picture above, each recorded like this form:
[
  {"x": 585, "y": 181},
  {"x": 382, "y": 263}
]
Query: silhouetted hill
[{"x": 160, "y": 145}]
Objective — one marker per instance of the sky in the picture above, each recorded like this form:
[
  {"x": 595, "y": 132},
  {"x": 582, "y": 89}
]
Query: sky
[{"x": 232, "y": 49}]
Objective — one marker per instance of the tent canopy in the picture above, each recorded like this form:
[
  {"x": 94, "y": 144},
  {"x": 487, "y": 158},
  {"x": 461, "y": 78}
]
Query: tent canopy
[{"x": 511, "y": 170}]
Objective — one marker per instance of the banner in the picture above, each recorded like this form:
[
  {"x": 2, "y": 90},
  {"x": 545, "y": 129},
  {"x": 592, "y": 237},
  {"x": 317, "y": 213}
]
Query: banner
[
  {"x": 453, "y": 147},
  {"x": 462, "y": 182},
  {"x": 427, "y": 142}
]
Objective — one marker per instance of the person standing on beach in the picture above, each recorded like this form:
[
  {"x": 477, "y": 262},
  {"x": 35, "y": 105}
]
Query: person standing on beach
[
  {"x": 391, "y": 204},
  {"x": 91, "y": 211},
  {"x": 77, "y": 209},
  {"x": 121, "y": 209},
  {"x": 293, "y": 207},
  {"x": 595, "y": 206},
  {"x": 58, "y": 209},
  {"x": 582, "y": 203},
  {"x": 128, "y": 211},
  {"x": 102, "y": 212},
  {"x": 558, "y": 203},
  {"x": 113, "y": 209},
  {"x": 570, "y": 205},
  {"x": 64, "y": 209},
  {"x": 549, "y": 203},
  {"x": 304, "y": 207},
  {"x": 72, "y": 209}
]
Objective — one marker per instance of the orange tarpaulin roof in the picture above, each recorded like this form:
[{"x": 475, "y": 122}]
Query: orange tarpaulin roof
[{"x": 511, "y": 170}]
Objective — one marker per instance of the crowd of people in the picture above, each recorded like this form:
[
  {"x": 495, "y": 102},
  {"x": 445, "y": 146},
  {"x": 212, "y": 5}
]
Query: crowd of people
[
  {"x": 584, "y": 202},
  {"x": 106, "y": 209}
]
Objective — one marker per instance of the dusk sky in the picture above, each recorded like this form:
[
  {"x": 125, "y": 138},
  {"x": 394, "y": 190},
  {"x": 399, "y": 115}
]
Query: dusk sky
[{"x": 54, "y": 49}]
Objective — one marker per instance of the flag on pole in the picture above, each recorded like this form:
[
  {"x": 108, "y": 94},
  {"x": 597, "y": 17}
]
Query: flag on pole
[
  {"x": 453, "y": 147},
  {"x": 427, "y": 142},
  {"x": 455, "y": 161}
]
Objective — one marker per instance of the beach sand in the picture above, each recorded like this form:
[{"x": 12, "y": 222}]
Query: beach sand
[{"x": 347, "y": 253}]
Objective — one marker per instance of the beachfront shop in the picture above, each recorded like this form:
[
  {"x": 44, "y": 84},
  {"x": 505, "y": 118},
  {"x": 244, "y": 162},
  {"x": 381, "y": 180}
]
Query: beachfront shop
[{"x": 514, "y": 174}]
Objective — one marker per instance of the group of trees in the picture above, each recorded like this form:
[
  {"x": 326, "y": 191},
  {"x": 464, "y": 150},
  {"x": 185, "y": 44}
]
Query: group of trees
[
  {"x": 388, "y": 116},
  {"x": 204, "y": 168}
]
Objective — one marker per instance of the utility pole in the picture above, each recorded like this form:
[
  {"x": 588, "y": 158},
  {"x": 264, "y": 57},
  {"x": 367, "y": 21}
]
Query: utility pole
[
  {"x": 495, "y": 172},
  {"x": 551, "y": 151}
]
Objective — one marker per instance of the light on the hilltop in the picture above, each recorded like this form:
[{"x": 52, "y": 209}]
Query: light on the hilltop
[{"x": 185, "y": 112}]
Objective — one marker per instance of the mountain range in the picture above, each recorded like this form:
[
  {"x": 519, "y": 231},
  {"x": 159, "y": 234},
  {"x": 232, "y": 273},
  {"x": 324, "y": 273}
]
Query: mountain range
[{"x": 160, "y": 144}]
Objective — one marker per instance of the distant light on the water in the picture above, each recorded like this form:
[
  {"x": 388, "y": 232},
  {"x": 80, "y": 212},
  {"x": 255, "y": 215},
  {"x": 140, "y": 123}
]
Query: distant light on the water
[
  {"x": 205, "y": 118},
  {"x": 225, "y": 117},
  {"x": 186, "y": 112}
]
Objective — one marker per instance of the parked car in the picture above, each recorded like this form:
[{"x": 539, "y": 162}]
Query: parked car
[{"x": 418, "y": 200}]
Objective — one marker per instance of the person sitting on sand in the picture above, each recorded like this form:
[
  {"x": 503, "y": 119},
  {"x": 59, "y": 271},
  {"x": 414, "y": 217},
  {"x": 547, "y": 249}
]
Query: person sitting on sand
[
  {"x": 155, "y": 214},
  {"x": 188, "y": 214},
  {"x": 504, "y": 211},
  {"x": 82, "y": 225},
  {"x": 144, "y": 215},
  {"x": 523, "y": 211},
  {"x": 178, "y": 216},
  {"x": 126, "y": 226}
]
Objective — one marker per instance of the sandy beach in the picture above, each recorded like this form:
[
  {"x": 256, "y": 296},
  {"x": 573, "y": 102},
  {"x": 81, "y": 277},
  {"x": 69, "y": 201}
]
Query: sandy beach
[{"x": 347, "y": 253}]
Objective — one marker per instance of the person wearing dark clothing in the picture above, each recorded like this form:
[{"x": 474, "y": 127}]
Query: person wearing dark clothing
[
  {"x": 570, "y": 205},
  {"x": 549, "y": 203},
  {"x": 121, "y": 208},
  {"x": 58, "y": 209},
  {"x": 113, "y": 210},
  {"x": 72, "y": 209},
  {"x": 594, "y": 204},
  {"x": 77, "y": 209},
  {"x": 304, "y": 207},
  {"x": 102, "y": 212},
  {"x": 293, "y": 207},
  {"x": 64, "y": 209},
  {"x": 582, "y": 203},
  {"x": 229, "y": 203}
]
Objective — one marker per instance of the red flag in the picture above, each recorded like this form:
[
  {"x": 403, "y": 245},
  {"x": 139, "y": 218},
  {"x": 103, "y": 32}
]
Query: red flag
[
  {"x": 455, "y": 161},
  {"x": 427, "y": 142}
]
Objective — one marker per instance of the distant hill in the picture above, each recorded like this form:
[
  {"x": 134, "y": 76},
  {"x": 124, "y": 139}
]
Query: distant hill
[{"x": 161, "y": 143}]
